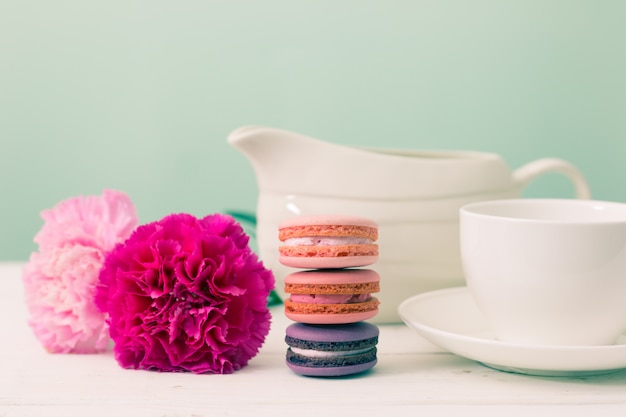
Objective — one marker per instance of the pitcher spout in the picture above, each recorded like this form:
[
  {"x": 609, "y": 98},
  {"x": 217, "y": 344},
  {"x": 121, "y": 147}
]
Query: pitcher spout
[{"x": 281, "y": 159}]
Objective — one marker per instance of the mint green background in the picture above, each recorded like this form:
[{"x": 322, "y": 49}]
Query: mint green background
[{"x": 140, "y": 95}]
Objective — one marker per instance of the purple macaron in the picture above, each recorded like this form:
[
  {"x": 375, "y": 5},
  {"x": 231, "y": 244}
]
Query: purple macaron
[{"x": 331, "y": 350}]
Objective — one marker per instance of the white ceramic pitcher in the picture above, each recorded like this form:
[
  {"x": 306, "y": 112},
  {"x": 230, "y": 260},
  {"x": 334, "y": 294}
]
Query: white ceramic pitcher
[{"x": 414, "y": 196}]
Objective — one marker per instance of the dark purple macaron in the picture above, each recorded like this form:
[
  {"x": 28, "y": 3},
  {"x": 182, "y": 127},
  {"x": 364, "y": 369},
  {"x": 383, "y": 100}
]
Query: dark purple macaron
[{"x": 331, "y": 349}]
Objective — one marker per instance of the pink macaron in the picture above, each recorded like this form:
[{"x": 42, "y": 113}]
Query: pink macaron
[
  {"x": 332, "y": 296},
  {"x": 325, "y": 241}
]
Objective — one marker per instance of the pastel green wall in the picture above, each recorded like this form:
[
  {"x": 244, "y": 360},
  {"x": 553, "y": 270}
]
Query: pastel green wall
[{"x": 139, "y": 95}]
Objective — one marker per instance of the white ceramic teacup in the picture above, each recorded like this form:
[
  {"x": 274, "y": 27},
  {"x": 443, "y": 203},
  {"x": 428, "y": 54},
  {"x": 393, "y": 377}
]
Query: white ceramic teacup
[{"x": 546, "y": 271}]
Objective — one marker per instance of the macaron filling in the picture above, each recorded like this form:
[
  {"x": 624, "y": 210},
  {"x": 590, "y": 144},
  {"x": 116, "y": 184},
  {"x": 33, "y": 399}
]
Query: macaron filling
[
  {"x": 329, "y": 298},
  {"x": 337, "y": 362},
  {"x": 327, "y": 241},
  {"x": 311, "y": 353}
]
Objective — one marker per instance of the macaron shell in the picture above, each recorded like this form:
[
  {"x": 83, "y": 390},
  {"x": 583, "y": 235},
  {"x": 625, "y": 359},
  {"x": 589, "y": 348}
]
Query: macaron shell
[
  {"x": 323, "y": 288},
  {"x": 344, "y": 318},
  {"x": 333, "y": 281},
  {"x": 329, "y": 251},
  {"x": 334, "y": 334},
  {"x": 327, "y": 262},
  {"x": 332, "y": 371},
  {"x": 333, "y": 276},
  {"x": 324, "y": 219}
]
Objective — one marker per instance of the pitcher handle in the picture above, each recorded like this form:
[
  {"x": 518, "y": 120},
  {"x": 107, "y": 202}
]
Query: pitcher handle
[{"x": 530, "y": 171}]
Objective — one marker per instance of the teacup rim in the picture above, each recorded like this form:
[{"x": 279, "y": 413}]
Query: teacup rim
[{"x": 472, "y": 209}]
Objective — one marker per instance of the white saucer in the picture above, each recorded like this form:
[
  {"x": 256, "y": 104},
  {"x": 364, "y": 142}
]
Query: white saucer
[{"x": 450, "y": 319}]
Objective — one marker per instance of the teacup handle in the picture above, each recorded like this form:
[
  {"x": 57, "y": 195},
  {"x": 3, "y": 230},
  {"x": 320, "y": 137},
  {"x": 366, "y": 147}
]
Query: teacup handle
[{"x": 530, "y": 171}]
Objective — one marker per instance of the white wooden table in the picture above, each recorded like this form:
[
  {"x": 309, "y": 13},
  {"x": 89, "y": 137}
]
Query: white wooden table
[{"x": 412, "y": 378}]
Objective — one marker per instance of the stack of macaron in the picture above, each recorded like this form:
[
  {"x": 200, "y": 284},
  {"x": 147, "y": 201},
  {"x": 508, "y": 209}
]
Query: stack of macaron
[{"x": 331, "y": 295}]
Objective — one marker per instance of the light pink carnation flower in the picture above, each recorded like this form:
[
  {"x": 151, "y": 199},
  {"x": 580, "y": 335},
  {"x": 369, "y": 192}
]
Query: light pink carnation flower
[
  {"x": 96, "y": 221},
  {"x": 60, "y": 279}
]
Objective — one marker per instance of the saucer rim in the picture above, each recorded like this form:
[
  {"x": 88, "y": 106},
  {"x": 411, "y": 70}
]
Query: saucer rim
[{"x": 470, "y": 342}]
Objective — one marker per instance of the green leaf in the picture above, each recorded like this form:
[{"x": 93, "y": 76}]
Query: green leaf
[
  {"x": 249, "y": 219},
  {"x": 243, "y": 216},
  {"x": 274, "y": 299}
]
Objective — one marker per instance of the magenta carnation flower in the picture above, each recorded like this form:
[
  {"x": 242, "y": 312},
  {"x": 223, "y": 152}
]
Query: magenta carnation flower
[
  {"x": 186, "y": 294},
  {"x": 60, "y": 279}
]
